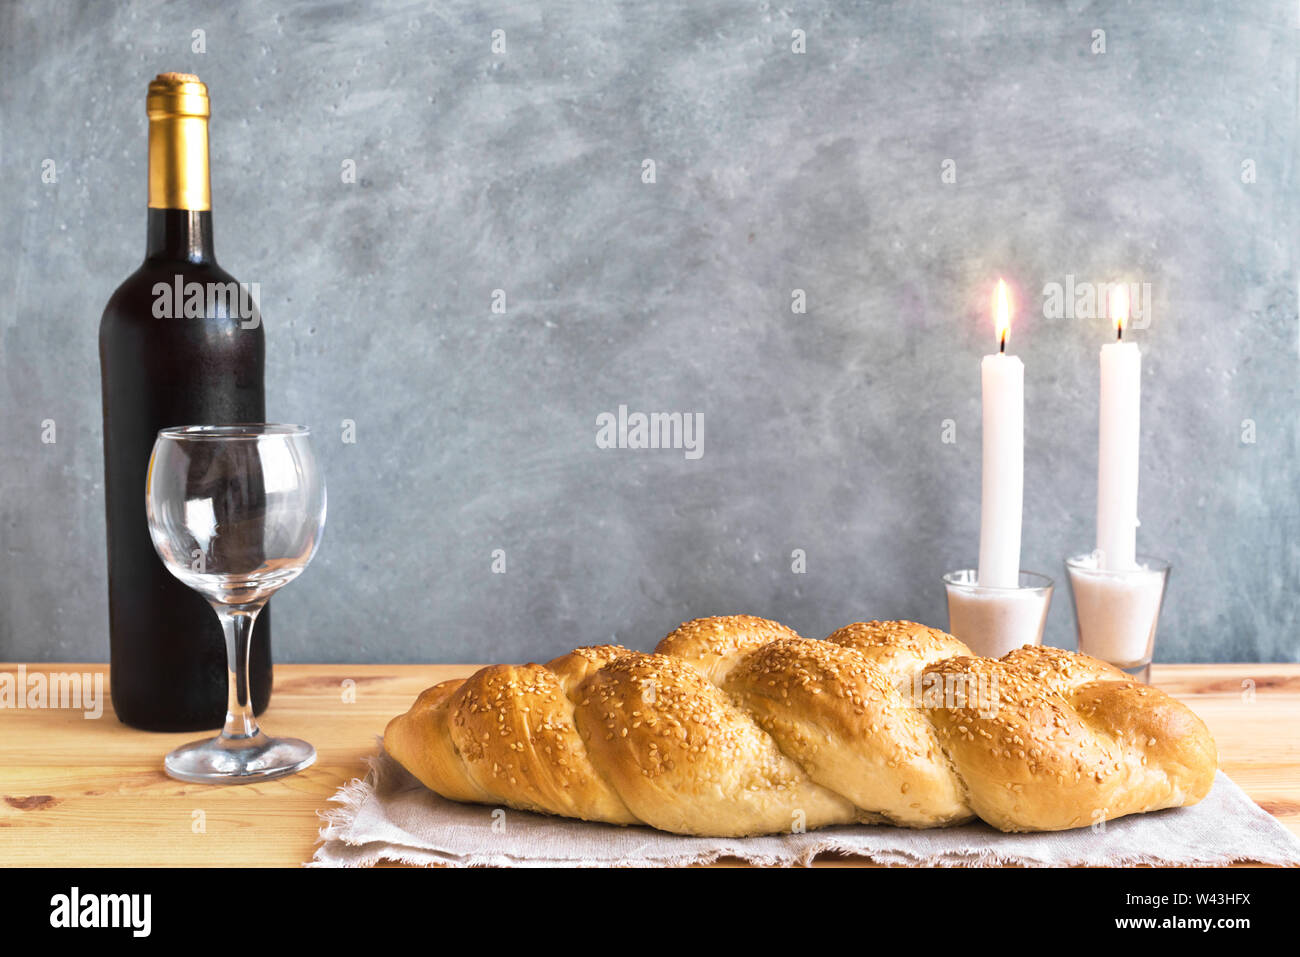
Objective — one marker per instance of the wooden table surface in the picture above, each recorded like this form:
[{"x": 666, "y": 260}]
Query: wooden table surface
[{"x": 93, "y": 792}]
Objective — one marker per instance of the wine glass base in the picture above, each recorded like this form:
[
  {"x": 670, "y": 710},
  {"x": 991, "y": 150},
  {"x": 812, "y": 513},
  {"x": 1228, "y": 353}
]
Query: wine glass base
[{"x": 239, "y": 760}]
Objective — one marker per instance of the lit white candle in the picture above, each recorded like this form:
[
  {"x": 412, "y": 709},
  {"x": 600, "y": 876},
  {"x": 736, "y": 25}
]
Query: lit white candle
[
  {"x": 1003, "y": 481},
  {"x": 1117, "y": 454}
]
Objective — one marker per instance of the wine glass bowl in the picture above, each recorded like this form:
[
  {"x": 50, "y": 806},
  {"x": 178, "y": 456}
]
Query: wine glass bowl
[{"x": 236, "y": 512}]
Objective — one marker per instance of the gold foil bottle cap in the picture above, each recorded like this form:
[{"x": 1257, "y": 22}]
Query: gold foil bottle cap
[
  {"x": 177, "y": 94},
  {"x": 177, "y": 104}
]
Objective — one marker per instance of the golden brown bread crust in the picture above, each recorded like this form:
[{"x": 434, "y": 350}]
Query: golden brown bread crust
[
  {"x": 506, "y": 730},
  {"x": 713, "y": 646},
  {"x": 573, "y": 667},
  {"x": 899, "y": 648},
  {"x": 685, "y": 759},
  {"x": 1070, "y": 741},
  {"x": 850, "y": 729},
  {"x": 738, "y": 726},
  {"x": 422, "y": 736}
]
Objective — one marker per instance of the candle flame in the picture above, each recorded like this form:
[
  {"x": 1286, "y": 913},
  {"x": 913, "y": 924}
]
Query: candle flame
[
  {"x": 1119, "y": 308},
  {"x": 1002, "y": 314}
]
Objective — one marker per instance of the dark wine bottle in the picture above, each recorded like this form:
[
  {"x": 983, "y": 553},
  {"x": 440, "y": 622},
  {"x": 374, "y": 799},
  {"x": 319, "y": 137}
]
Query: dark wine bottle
[{"x": 180, "y": 343}]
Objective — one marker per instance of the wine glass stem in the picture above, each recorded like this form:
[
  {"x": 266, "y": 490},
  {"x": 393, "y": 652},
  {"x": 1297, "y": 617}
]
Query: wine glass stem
[{"x": 237, "y": 624}]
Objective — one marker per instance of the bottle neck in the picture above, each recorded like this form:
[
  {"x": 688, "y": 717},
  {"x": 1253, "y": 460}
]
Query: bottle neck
[
  {"x": 181, "y": 235},
  {"x": 180, "y": 194}
]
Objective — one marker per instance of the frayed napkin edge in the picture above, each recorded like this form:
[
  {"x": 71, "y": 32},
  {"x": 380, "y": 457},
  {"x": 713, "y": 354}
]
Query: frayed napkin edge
[{"x": 349, "y": 797}]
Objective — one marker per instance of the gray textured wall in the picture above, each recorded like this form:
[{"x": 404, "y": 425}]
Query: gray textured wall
[{"x": 775, "y": 171}]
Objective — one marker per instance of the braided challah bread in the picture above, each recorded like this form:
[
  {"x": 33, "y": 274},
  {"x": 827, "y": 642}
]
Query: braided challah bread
[{"x": 738, "y": 726}]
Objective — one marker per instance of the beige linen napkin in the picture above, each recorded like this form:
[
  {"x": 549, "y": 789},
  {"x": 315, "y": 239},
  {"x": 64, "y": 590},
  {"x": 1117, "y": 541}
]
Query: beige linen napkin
[{"x": 391, "y": 816}]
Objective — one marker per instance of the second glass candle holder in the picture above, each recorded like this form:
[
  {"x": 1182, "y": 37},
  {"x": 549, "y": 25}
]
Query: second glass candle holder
[
  {"x": 992, "y": 621},
  {"x": 1117, "y": 610}
]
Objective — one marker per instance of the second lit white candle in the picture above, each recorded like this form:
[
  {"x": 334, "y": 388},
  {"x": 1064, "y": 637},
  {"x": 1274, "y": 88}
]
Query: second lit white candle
[{"x": 1118, "y": 443}]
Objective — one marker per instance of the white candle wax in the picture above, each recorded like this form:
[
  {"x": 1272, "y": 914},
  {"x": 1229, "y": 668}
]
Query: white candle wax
[
  {"x": 1117, "y": 614},
  {"x": 993, "y": 623},
  {"x": 1117, "y": 455},
  {"x": 1003, "y": 481}
]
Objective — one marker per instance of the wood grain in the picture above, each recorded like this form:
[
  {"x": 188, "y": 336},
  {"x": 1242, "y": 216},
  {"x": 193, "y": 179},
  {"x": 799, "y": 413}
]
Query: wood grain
[{"x": 92, "y": 792}]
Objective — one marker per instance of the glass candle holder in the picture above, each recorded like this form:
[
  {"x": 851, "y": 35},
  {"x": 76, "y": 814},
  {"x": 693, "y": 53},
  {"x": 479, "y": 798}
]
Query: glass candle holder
[
  {"x": 1117, "y": 610},
  {"x": 993, "y": 621}
]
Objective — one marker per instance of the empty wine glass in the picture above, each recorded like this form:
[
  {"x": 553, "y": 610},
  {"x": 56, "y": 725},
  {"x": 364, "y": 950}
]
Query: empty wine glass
[{"x": 236, "y": 512}]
